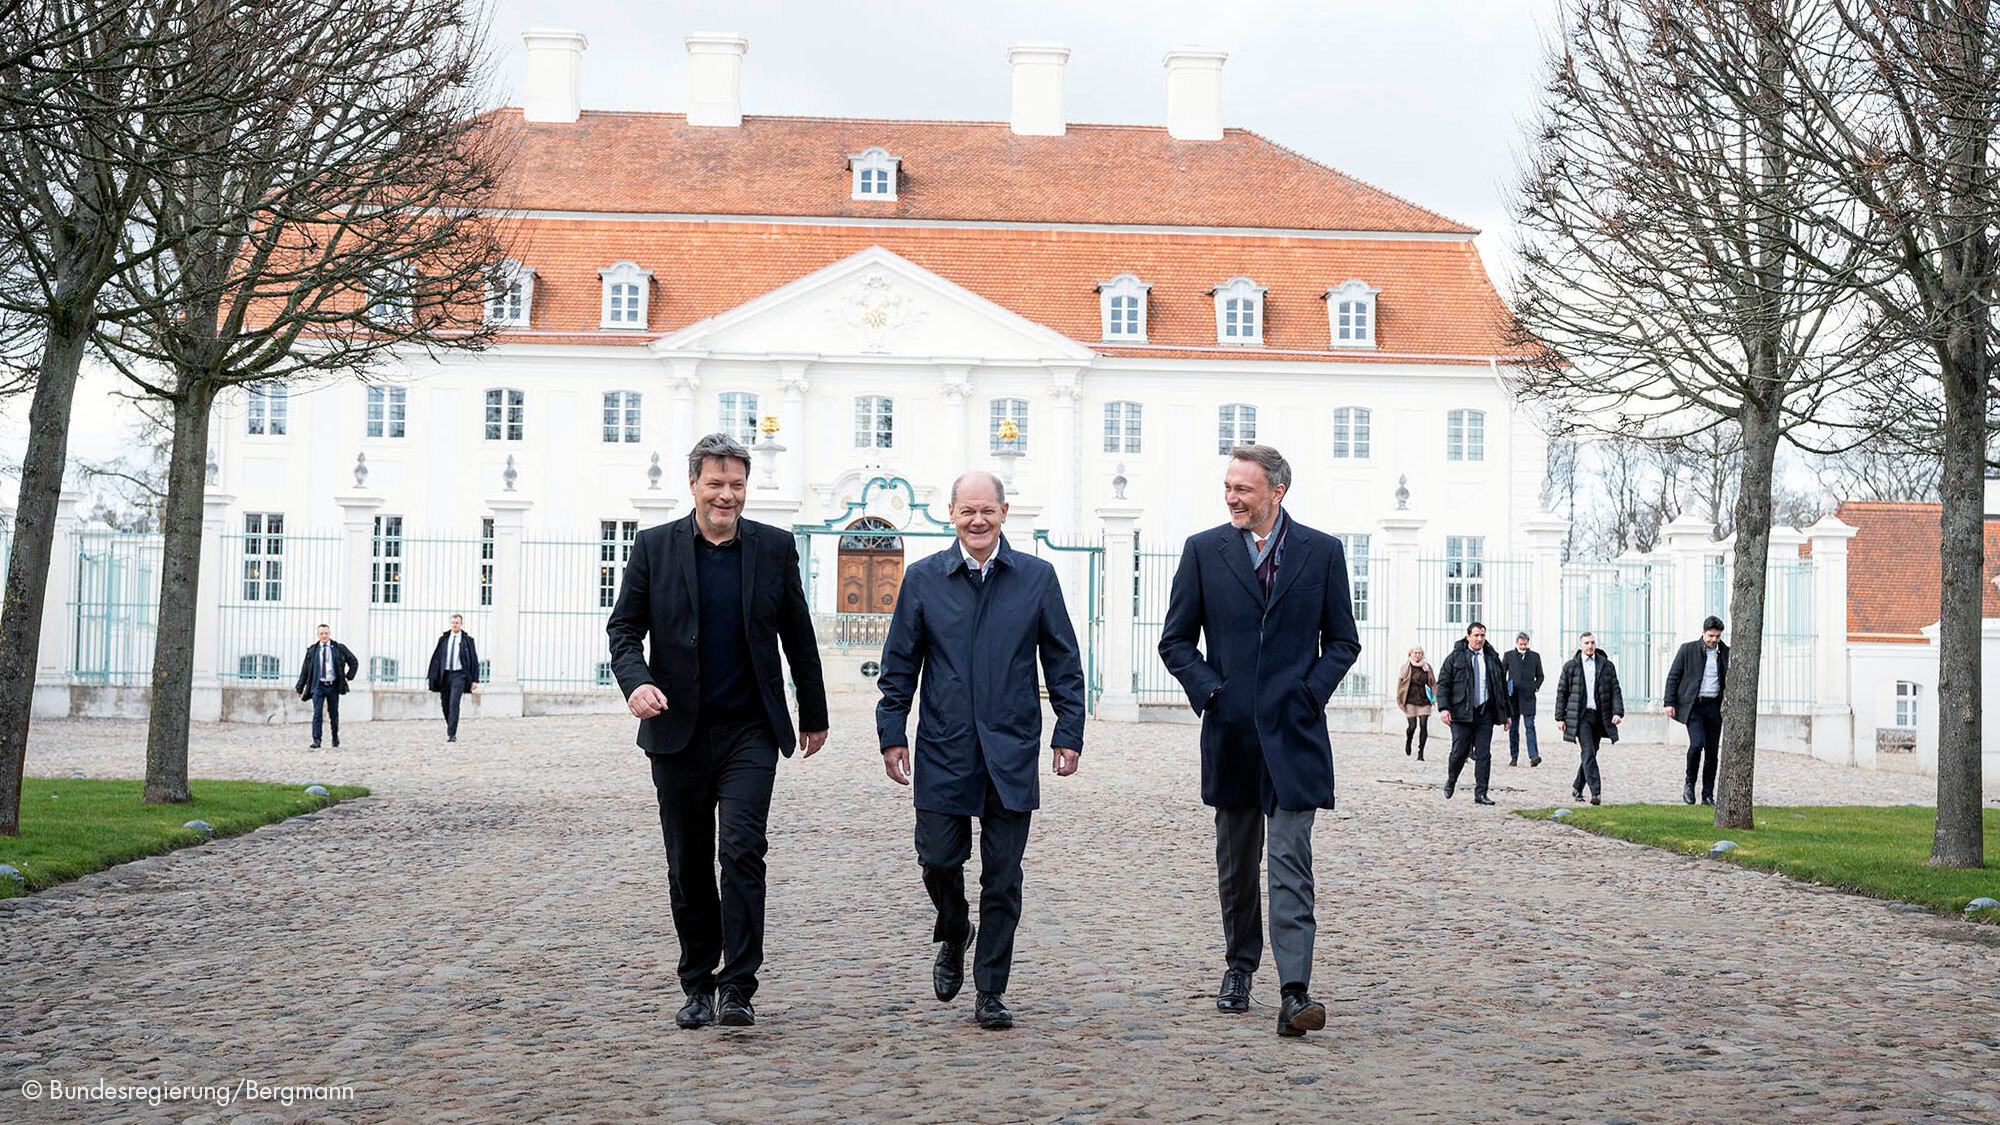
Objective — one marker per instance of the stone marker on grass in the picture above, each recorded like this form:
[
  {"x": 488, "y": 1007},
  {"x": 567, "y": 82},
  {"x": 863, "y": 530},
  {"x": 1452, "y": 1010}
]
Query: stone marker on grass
[
  {"x": 1981, "y": 904},
  {"x": 202, "y": 827},
  {"x": 315, "y": 790},
  {"x": 13, "y": 875},
  {"x": 1715, "y": 850},
  {"x": 1561, "y": 814}
]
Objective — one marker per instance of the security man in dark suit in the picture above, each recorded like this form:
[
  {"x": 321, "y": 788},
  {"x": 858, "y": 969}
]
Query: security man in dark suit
[
  {"x": 716, "y": 594},
  {"x": 1472, "y": 700},
  {"x": 1269, "y": 597},
  {"x": 1694, "y": 697},
  {"x": 323, "y": 677},
  {"x": 454, "y": 671},
  {"x": 970, "y": 622},
  {"x": 1524, "y": 679}
]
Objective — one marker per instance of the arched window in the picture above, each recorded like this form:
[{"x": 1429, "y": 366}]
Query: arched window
[
  {"x": 625, "y": 290},
  {"x": 1122, "y": 303},
  {"x": 1350, "y": 310},
  {"x": 865, "y": 534},
  {"x": 1239, "y": 311},
  {"x": 1350, "y": 433},
  {"x": 1013, "y": 410},
  {"x": 874, "y": 173}
]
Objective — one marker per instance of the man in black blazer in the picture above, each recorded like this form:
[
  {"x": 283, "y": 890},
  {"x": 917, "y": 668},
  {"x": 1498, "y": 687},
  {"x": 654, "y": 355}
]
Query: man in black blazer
[
  {"x": 1524, "y": 679},
  {"x": 1472, "y": 700},
  {"x": 323, "y": 677},
  {"x": 454, "y": 671},
  {"x": 716, "y": 594},
  {"x": 1270, "y": 596},
  {"x": 1694, "y": 697}
]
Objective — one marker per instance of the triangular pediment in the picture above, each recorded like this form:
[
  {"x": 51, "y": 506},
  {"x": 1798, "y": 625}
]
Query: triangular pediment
[{"x": 874, "y": 303}]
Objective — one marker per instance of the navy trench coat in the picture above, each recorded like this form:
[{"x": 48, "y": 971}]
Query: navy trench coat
[
  {"x": 1263, "y": 734},
  {"x": 974, "y": 645}
]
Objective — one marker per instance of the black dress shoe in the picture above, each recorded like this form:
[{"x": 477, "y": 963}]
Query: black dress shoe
[
  {"x": 1482, "y": 799},
  {"x": 1513, "y": 761},
  {"x": 1576, "y": 794},
  {"x": 1299, "y": 1013},
  {"x": 948, "y": 971},
  {"x": 1594, "y": 800},
  {"x": 1448, "y": 787},
  {"x": 992, "y": 1013},
  {"x": 1687, "y": 793},
  {"x": 1234, "y": 995},
  {"x": 1420, "y": 755},
  {"x": 1533, "y": 762},
  {"x": 736, "y": 1010},
  {"x": 699, "y": 1011},
  {"x": 314, "y": 746},
  {"x": 336, "y": 743}
]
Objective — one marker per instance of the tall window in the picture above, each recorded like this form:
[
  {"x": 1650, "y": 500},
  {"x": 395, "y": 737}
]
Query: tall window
[
  {"x": 486, "y": 562},
  {"x": 509, "y": 295},
  {"x": 1013, "y": 410},
  {"x": 1356, "y": 548},
  {"x": 386, "y": 411},
  {"x": 1239, "y": 311},
  {"x": 625, "y": 286},
  {"x": 1235, "y": 425},
  {"x": 263, "y": 556},
  {"x": 614, "y": 549},
  {"x": 1464, "y": 579},
  {"x": 874, "y": 422},
  {"x": 266, "y": 411},
  {"x": 506, "y": 411},
  {"x": 621, "y": 416},
  {"x": 1350, "y": 433},
  {"x": 874, "y": 173},
  {"x": 1465, "y": 435},
  {"x": 1350, "y": 310},
  {"x": 739, "y": 416},
  {"x": 385, "y": 585},
  {"x": 1121, "y": 427},
  {"x": 1124, "y": 308},
  {"x": 1906, "y": 704}
]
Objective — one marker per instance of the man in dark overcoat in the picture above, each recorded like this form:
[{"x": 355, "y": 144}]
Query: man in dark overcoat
[
  {"x": 970, "y": 623},
  {"x": 1524, "y": 679},
  {"x": 1472, "y": 700},
  {"x": 454, "y": 671},
  {"x": 1268, "y": 598},
  {"x": 1589, "y": 707},
  {"x": 323, "y": 677},
  {"x": 1694, "y": 697}
]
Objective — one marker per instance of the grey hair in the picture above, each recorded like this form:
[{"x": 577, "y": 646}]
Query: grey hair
[
  {"x": 1522, "y": 637},
  {"x": 1277, "y": 470},
  {"x": 999, "y": 487},
  {"x": 720, "y": 447}
]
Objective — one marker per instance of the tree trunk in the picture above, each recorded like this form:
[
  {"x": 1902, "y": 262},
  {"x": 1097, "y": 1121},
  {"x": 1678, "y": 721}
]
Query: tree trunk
[
  {"x": 34, "y": 546},
  {"x": 180, "y": 585},
  {"x": 1959, "y": 839},
  {"x": 1735, "y": 781}
]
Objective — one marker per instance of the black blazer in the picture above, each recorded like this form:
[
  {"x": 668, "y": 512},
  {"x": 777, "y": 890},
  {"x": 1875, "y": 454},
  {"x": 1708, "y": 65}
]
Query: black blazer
[
  {"x": 657, "y": 601},
  {"x": 1524, "y": 671},
  {"x": 344, "y": 667},
  {"x": 468, "y": 660},
  {"x": 1684, "y": 678},
  {"x": 1454, "y": 686}
]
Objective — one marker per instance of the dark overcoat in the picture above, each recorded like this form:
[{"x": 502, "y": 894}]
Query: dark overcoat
[
  {"x": 1684, "y": 678},
  {"x": 1454, "y": 690},
  {"x": 973, "y": 645},
  {"x": 344, "y": 667},
  {"x": 468, "y": 660},
  {"x": 1524, "y": 672},
  {"x": 1569, "y": 695},
  {"x": 1262, "y": 681}
]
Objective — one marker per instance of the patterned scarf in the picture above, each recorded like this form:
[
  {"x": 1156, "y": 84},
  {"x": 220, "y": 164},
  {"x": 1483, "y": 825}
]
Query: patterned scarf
[{"x": 1267, "y": 571}]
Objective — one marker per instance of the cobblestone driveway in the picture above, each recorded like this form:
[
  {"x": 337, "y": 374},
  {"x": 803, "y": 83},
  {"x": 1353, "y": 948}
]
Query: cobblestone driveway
[{"x": 487, "y": 939}]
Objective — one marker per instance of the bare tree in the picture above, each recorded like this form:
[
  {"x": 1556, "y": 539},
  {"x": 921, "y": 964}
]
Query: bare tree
[
  {"x": 345, "y": 226},
  {"x": 1880, "y": 471},
  {"x": 1714, "y": 460},
  {"x": 1660, "y": 271}
]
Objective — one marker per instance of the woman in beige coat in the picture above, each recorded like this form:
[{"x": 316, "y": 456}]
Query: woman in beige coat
[{"x": 1415, "y": 689}]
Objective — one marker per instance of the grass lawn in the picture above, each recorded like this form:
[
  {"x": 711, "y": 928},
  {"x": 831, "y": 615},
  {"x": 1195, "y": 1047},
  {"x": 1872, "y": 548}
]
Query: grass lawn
[
  {"x": 70, "y": 828},
  {"x": 1870, "y": 850}
]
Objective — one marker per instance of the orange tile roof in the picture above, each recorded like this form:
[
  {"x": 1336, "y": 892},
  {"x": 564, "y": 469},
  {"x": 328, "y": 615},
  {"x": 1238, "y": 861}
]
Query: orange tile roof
[
  {"x": 1436, "y": 298},
  {"x": 657, "y": 163},
  {"x": 1894, "y": 576}
]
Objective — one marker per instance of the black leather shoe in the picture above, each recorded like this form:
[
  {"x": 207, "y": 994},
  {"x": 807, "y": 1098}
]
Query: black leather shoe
[
  {"x": 1687, "y": 793},
  {"x": 314, "y": 746},
  {"x": 699, "y": 1011},
  {"x": 1533, "y": 762},
  {"x": 336, "y": 742},
  {"x": 992, "y": 1013},
  {"x": 736, "y": 1010},
  {"x": 1420, "y": 755},
  {"x": 1576, "y": 794},
  {"x": 1234, "y": 995},
  {"x": 948, "y": 971},
  {"x": 1448, "y": 787},
  {"x": 1513, "y": 761},
  {"x": 1482, "y": 800},
  {"x": 1299, "y": 1013},
  {"x": 1594, "y": 800}
]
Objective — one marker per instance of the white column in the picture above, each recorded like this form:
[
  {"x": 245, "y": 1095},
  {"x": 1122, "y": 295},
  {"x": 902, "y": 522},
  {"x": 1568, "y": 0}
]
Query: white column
[
  {"x": 1065, "y": 465},
  {"x": 501, "y": 694},
  {"x": 1833, "y": 711},
  {"x": 1020, "y": 526},
  {"x": 796, "y": 431},
  {"x": 357, "y": 517},
  {"x": 655, "y": 507},
  {"x": 205, "y": 704},
  {"x": 682, "y": 384},
  {"x": 1546, "y": 532},
  {"x": 956, "y": 389},
  {"x": 51, "y": 699},
  {"x": 1397, "y": 590},
  {"x": 1118, "y": 703},
  {"x": 1688, "y": 544}
]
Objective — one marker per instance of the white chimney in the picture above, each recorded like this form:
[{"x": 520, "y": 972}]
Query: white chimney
[
  {"x": 1194, "y": 94},
  {"x": 715, "y": 78},
  {"x": 1038, "y": 81},
  {"x": 555, "y": 59}
]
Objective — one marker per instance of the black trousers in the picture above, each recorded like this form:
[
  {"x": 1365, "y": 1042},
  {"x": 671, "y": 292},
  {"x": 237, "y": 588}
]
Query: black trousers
[
  {"x": 715, "y": 803},
  {"x": 326, "y": 697},
  {"x": 1472, "y": 737},
  {"x": 454, "y": 690},
  {"x": 1589, "y": 733},
  {"x": 1704, "y": 743},
  {"x": 944, "y": 843},
  {"x": 1240, "y": 850}
]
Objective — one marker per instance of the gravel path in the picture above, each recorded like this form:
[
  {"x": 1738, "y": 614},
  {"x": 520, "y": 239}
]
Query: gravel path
[{"x": 487, "y": 939}]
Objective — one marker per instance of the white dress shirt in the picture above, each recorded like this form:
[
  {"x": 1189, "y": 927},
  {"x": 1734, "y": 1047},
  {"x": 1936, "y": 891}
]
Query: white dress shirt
[{"x": 1590, "y": 682}]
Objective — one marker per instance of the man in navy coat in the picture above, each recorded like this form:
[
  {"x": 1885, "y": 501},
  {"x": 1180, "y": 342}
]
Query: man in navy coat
[
  {"x": 1272, "y": 597},
  {"x": 971, "y": 621}
]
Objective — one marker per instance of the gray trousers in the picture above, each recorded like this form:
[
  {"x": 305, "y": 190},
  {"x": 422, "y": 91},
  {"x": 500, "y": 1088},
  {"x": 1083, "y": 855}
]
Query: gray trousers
[{"x": 1239, "y": 848}]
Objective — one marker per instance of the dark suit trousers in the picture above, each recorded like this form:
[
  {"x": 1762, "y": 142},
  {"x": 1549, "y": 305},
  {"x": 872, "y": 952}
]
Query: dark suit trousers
[
  {"x": 944, "y": 843},
  {"x": 326, "y": 697},
  {"x": 1589, "y": 733},
  {"x": 454, "y": 691},
  {"x": 1239, "y": 852},
  {"x": 715, "y": 797},
  {"x": 1472, "y": 737},
  {"x": 1704, "y": 743}
]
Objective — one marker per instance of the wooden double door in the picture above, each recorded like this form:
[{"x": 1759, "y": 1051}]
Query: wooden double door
[{"x": 869, "y": 580}]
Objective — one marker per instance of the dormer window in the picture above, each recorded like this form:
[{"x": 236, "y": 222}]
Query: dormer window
[
  {"x": 510, "y": 295},
  {"x": 1239, "y": 312},
  {"x": 1122, "y": 301},
  {"x": 1350, "y": 311},
  {"x": 625, "y": 290},
  {"x": 874, "y": 173}
]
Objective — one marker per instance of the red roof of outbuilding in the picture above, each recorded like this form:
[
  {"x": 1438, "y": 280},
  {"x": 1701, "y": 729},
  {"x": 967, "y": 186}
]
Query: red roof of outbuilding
[{"x": 1894, "y": 574}]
